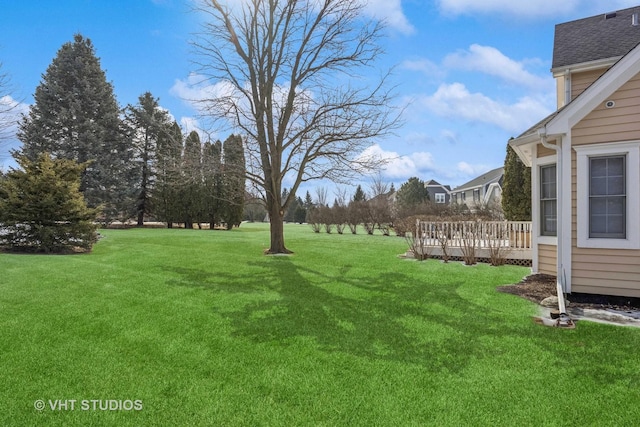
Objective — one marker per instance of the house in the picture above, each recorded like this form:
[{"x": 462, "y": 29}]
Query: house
[
  {"x": 585, "y": 159},
  {"x": 481, "y": 191},
  {"x": 438, "y": 193}
]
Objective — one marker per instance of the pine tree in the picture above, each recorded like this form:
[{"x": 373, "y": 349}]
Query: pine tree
[
  {"x": 147, "y": 123},
  {"x": 42, "y": 209},
  {"x": 166, "y": 196},
  {"x": 191, "y": 186},
  {"x": 308, "y": 201},
  {"x": 213, "y": 185},
  {"x": 516, "y": 188},
  {"x": 76, "y": 116},
  {"x": 300, "y": 214},
  {"x": 359, "y": 196},
  {"x": 234, "y": 180},
  {"x": 412, "y": 193}
]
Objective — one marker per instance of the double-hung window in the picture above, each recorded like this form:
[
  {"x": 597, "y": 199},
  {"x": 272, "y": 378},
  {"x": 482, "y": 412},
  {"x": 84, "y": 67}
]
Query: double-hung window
[
  {"x": 548, "y": 201},
  {"x": 608, "y": 195},
  {"x": 440, "y": 198}
]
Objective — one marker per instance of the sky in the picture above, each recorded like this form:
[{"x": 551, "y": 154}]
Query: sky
[{"x": 470, "y": 73}]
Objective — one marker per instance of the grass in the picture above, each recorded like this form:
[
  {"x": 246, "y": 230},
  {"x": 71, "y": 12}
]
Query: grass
[{"x": 205, "y": 330}]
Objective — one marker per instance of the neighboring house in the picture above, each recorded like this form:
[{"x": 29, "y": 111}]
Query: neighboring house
[
  {"x": 484, "y": 190},
  {"x": 438, "y": 193},
  {"x": 585, "y": 159}
]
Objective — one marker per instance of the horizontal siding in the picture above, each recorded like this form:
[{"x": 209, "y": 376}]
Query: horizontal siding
[
  {"x": 547, "y": 255},
  {"x": 543, "y": 151},
  {"x": 619, "y": 123},
  {"x": 595, "y": 286},
  {"x": 581, "y": 81},
  {"x": 606, "y": 271}
]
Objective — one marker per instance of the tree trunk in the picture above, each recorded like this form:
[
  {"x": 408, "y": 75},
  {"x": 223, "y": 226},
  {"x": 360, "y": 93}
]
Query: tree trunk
[{"x": 276, "y": 220}]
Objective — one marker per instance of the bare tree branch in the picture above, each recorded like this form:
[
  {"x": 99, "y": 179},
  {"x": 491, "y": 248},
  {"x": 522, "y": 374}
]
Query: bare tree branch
[{"x": 294, "y": 77}]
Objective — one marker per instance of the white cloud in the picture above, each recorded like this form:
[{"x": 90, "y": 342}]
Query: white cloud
[
  {"x": 401, "y": 166},
  {"x": 455, "y": 101},
  {"x": 489, "y": 60},
  {"x": 196, "y": 88},
  {"x": 391, "y": 12},
  {"x": 10, "y": 112},
  {"x": 470, "y": 170},
  {"x": 527, "y": 8},
  {"x": 533, "y": 9},
  {"x": 424, "y": 66},
  {"x": 450, "y": 136}
]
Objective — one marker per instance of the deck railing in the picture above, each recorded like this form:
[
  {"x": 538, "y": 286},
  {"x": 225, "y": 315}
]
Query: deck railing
[{"x": 455, "y": 238}]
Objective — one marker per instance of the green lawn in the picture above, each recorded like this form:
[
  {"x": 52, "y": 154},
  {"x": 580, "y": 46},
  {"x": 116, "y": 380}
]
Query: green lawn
[{"x": 203, "y": 329}]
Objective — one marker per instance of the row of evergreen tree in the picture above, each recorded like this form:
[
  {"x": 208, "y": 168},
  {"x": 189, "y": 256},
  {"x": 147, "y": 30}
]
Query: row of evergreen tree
[{"x": 139, "y": 163}]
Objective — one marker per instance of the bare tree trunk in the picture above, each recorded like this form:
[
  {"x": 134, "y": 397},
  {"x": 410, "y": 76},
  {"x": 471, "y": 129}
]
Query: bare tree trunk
[{"x": 276, "y": 220}]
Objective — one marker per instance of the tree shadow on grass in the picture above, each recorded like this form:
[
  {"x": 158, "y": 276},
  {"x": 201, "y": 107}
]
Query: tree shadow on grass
[{"x": 388, "y": 317}]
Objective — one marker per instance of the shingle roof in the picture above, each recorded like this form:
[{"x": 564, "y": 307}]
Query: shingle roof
[
  {"x": 487, "y": 178},
  {"x": 598, "y": 37}
]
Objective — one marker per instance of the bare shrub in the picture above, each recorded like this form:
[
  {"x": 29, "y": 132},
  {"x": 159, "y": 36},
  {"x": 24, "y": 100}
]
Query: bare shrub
[
  {"x": 496, "y": 237},
  {"x": 469, "y": 240},
  {"x": 417, "y": 245}
]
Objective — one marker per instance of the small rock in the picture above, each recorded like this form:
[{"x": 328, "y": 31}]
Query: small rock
[
  {"x": 549, "y": 302},
  {"x": 552, "y": 302}
]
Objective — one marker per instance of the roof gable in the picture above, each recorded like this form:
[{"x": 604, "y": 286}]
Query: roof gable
[
  {"x": 620, "y": 73},
  {"x": 598, "y": 37},
  {"x": 487, "y": 178}
]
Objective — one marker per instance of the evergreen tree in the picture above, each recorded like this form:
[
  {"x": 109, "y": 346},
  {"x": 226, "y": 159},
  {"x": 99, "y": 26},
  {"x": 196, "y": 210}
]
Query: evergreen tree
[
  {"x": 169, "y": 159},
  {"x": 300, "y": 213},
  {"x": 213, "y": 185},
  {"x": 147, "y": 123},
  {"x": 191, "y": 185},
  {"x": 234, "y": 180},
  {"x": 359, "y": 196},
  {"x": 412, "y": 193},
  {"x": 516, "y": 188},
  {"x": 42, "y": 209},
  {"x": 308, "y": 201},
  {"x": 76, "y": 116}
]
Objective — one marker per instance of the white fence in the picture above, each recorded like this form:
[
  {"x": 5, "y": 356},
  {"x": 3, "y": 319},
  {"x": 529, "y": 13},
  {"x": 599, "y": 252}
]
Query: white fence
[{"x": 439, "y": 238}]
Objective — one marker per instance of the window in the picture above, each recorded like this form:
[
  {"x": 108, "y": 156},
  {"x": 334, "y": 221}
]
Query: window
[
  {"x": 476, "y": 196},
  {"x": 608, "y": 195},
  {"x": 440, "y": 198},
  {"x": 464, "y": 196},
  {"x": 548, "y": 201}
]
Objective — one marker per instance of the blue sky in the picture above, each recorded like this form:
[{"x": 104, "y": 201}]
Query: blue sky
[{"x": 472, "y": 73}]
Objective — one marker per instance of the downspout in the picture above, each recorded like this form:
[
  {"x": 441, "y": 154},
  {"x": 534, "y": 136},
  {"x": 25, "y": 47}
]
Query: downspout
[{"x": 564, "y": 320}]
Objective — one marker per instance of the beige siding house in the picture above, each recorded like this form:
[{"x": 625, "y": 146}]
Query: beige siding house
[{"x": 585, "y": 159}]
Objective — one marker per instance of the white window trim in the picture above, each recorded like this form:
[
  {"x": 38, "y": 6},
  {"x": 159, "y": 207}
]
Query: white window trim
[
  {"x": 442, "y": 197},
  {"x": 535, "y": 206},
  {"x": 632, "y": 152}
]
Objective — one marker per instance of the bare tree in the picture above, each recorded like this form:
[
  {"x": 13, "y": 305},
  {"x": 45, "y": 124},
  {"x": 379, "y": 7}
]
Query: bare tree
[
  {"x": 378, "y": 186},
  {"x": 8, "y": 106},
  {"x": 287, "y": 76}
]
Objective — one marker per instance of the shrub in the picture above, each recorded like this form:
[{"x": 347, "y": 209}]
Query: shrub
[{"x": 42, "y": 209}]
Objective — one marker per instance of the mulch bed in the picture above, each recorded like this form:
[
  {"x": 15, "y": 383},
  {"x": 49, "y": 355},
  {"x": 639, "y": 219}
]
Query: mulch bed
[{"x": 540, "y": 286}]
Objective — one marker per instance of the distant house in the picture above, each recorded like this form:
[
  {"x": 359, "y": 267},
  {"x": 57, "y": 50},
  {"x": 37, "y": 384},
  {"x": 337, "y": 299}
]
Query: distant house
[
  {"x": 585, "y": 159},
  {"x": 438, "y": 193},
  {"x": 481, "y": 191}
]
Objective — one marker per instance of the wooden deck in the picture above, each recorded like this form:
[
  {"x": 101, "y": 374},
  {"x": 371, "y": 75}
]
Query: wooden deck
[{"x": 509, "y": 239}]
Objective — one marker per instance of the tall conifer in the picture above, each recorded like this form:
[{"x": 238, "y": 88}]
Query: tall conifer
[{"x": 76, "y": 116}]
